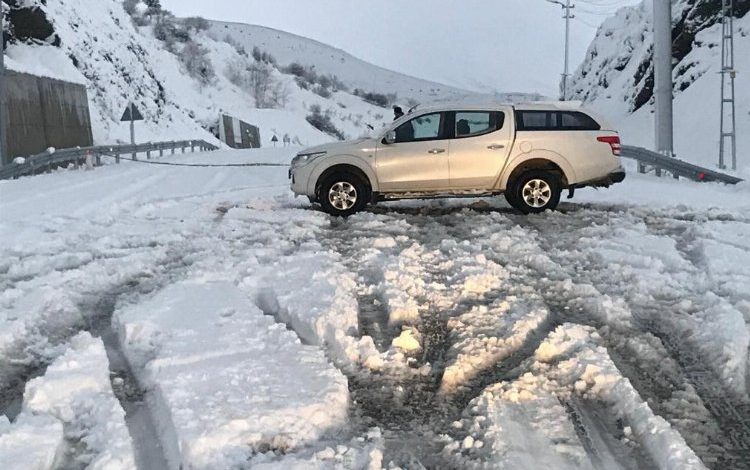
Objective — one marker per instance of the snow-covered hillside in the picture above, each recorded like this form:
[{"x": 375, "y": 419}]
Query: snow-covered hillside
[
  {"x": 95, "y": 42},
  {"x": 356, "y": 73},
  {"x": 616, "y": 77}
]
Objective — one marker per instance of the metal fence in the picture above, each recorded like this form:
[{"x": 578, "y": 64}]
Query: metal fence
[
  {"x": 676, "y": 167},
  {"x": 47, "y": 161}
]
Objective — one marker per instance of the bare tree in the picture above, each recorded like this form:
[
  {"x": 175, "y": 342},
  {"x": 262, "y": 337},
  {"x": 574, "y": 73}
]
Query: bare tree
[{"x": 197, "y": 63}]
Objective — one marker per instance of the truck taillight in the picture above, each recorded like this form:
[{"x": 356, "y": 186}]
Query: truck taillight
[{"x": 613, "y": 141}]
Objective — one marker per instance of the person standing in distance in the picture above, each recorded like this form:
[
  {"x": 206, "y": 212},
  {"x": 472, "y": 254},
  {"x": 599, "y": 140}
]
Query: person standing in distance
[{"x": 397, "y": 112}]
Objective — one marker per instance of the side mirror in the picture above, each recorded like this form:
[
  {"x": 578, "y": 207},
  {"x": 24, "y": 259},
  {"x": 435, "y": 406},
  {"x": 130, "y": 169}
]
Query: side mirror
[{"x": 390, "y": 138}]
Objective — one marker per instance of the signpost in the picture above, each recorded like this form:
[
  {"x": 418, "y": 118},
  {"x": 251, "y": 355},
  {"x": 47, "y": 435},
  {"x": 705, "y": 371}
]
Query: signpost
[{"x": 131, "y": 114}]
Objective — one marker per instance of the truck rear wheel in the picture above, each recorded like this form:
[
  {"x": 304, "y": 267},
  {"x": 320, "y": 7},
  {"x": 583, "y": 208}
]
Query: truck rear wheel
[{"x": 535, "y": 191}]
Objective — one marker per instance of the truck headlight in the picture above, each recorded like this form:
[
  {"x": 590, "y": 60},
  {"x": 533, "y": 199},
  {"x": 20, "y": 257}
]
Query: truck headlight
[{"x": 304, "y": 158}]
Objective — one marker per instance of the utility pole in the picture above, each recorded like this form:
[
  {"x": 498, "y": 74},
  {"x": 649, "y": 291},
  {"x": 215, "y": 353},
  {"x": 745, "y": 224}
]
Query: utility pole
[
  {"x": 728, "y": 136},
  {"x": 3, "y": 118},
  {"x": 567, "y": 7},
  {"x": 663, "y": 77}
]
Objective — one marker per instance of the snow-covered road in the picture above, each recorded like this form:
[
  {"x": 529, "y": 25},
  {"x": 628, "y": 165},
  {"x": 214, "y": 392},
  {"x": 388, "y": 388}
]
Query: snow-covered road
[{"x": 242, "y": 329}]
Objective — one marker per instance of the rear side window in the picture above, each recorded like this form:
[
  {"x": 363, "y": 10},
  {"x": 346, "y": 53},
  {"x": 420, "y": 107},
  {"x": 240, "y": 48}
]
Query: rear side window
[
  {"x": 475, "y": 123},
  {"x": 555, "y": 121}
]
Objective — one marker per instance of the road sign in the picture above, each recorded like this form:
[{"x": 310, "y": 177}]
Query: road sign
[{"x": 131, "y": 114}]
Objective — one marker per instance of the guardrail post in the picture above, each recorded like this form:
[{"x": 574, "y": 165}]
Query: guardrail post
[
  {"x": 192, "y": 146},
  {"x": 161, "y": 150},
  {"x": 148, "y": 154},
  {"x": 173, "y": 147},
  {"x": 98, "y": 158},
  {"x": 183, "y": 147}
]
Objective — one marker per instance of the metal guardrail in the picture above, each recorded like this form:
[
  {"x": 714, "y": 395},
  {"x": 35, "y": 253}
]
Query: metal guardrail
[
  {"x": 46, "y": 161},
  {"x": 677, "y": 167}
]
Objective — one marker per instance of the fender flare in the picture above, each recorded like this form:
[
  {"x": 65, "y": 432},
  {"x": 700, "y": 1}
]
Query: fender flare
[
  {"x": 342, "y": 160},
  {"x": 567, "y": 169}
]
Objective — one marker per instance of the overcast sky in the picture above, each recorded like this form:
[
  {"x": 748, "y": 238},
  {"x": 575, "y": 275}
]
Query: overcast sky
[{"x": 504, "y": 45}]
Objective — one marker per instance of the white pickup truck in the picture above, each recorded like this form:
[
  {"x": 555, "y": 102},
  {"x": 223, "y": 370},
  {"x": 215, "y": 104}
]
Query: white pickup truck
[{"x": 530, "y": 153}]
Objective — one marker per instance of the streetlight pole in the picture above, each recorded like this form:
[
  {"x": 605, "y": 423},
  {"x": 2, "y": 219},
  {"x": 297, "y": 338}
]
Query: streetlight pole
[
  {"x": 3, "y": 118},
  {"x": 567, "y": 7},
  {"x": 663, "y": 77}
]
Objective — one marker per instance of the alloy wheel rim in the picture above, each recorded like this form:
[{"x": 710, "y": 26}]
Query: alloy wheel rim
[
  {"x": 342, "y": 195},
  {"x": 537, "y": 193}
]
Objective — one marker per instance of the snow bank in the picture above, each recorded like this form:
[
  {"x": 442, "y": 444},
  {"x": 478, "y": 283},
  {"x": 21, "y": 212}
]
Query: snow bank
[
  {"x": 312, "y": 294},
  {"x": 42, "y": 61},
  {"x": 72, "y": 403},
  {"x": 572, "y": 360},
  {"x": 31, "y": 443},
  {"x": 522, "y": 423},
  {"x": 526, "y": 428},
  {"x": 229, "y": 380}
]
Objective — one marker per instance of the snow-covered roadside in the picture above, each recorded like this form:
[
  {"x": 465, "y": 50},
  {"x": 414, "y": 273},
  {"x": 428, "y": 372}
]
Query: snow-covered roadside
[{"x": 70, "y": 416}]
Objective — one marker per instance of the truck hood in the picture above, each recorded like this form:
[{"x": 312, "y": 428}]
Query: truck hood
[{"x": 336, "y": 147}]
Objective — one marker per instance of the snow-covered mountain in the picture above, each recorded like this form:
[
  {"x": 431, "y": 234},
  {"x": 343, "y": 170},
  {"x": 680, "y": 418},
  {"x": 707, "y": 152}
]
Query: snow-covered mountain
[
  {"x": 97, "y": 42},
  {"x": 616, "y": 78},
  {"x": 288, "y": 48}
]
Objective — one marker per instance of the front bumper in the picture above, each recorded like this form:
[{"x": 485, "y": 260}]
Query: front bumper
[{"x": 300, "y": 176}]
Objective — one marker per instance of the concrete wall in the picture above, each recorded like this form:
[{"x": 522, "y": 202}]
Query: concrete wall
[
  {"x": 238, "y": 134},
  {"x": 43, "y": 113}
]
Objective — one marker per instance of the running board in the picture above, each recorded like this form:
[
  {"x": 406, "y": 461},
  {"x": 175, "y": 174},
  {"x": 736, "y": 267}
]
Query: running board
[
  {"x": 677, "y": 167},
  {"x": 431, "y": 195}
]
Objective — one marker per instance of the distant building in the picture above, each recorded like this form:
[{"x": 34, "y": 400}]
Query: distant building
[
  {"x": 44, "y": 112},
  {"x": 238, "y": 134}
]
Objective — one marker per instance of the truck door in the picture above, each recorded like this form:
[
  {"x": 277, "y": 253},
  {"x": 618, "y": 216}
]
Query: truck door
[
  {"x": 480, "y": 144},
  {"x": 418, "y": 159}
]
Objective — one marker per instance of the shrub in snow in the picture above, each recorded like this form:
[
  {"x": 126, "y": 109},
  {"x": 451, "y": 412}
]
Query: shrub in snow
[
  {"x": 378, "y": 99},
  {"x": 257, "y": 78},
  {"x": 322, "y": 121},
  {"x": 196, "y": 23},
  {"x": 263, "y": 56},
  {"x": 322, "y": 91},
  {"x": 197, "y": 63}
]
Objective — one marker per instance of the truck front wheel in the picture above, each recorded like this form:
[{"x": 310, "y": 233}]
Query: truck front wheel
[{"x": 343, "y": 194}]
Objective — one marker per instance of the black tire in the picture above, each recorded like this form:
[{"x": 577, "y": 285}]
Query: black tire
[
  {"x": 521, "y": 193},
  {"x": 346, "y": 184}
]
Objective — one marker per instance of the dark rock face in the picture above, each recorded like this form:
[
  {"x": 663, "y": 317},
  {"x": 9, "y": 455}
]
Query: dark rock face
[
  {"x": 634, "y": 57},
  {"x": 28, "y": 24}
]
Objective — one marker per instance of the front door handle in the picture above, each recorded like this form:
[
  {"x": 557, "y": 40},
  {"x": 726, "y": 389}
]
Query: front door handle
[
  {"x": 436, "y": 151},
  {"x": 496, "y": 147}
]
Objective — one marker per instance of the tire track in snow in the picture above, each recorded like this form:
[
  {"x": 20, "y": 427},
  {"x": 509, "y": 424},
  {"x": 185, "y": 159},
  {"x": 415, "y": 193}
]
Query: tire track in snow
[
  {"x": 721, "y": 444},
  {"x": 408, "y": 407},
  {"x": 96, "y": 309},
  {"x": 525, "y": 271}
]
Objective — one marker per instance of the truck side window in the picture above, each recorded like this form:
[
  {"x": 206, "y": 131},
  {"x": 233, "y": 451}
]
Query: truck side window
[
  {"x": 555, "y": 121},
  {"x": 421, "y": 128},
  {"x": 475, "y": 123}
]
